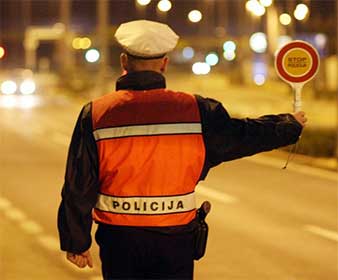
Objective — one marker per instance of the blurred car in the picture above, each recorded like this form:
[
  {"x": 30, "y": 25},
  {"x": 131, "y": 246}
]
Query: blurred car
[{"x": 17, "y": 81}]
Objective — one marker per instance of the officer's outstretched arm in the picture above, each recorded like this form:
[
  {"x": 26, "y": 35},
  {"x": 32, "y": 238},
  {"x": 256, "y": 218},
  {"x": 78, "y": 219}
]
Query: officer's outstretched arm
[{"x": 228, "y": 138}]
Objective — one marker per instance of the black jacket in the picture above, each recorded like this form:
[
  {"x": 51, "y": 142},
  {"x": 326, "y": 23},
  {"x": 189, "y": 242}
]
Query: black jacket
[{"x": 225, "y": 139}]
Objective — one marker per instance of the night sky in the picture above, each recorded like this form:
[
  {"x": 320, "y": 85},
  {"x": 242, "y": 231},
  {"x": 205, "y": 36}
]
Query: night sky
[
  {"x": 15, "y": 15},
  {"x": 323, "y": 13}
]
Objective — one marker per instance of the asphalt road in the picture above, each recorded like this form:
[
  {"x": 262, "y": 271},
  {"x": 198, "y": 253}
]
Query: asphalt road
[{"x": 266, "y": 223}]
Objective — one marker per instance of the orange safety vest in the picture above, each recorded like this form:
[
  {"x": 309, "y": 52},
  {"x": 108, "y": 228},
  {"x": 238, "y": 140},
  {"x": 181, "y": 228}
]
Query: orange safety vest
[{"x": 151, "y": 153}]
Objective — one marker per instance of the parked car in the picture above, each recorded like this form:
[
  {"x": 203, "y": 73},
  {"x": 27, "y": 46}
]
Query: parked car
[{"x": 17, "y": 81}]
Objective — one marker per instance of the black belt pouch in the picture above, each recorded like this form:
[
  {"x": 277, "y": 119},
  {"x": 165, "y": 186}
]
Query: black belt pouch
[{"x": 201, "y": 235}]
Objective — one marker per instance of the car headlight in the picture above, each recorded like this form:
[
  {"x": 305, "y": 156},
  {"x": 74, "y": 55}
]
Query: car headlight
[
  {"x": 27, "y": 87},
  {"x": 8, "y": 87}
]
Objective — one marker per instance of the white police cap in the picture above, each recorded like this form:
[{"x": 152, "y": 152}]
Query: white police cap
[{"x": 146, "y": 39}]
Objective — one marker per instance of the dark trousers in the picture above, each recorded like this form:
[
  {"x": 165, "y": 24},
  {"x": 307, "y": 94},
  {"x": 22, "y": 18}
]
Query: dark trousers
[{"x": 139, "y": 253}]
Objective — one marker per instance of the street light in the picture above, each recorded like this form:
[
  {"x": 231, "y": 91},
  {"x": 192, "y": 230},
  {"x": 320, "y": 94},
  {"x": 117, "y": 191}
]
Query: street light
[
  {"x": 92, "y": 55},
  {"x": 229, "y": 46},
  {"x": 143, "y": 2},
  {"x": 195, "y": 16},
  {"x": 258, "y": 42},
  {"x": 259, "y": 10},
  {"x": 76, "y": 43},
  {"x": 85, "y": 43},
  {"x": 301, "y": 11},
  {"x": 164, "y": 5},
  {"x": 188, "y": 53},
  {"x": 212, "y": 59},
  {"x": 2, "y": 52},
  {"x": 201, "y": 68},
  {"x": 249, "y": 5},
  {"x": 265, "y": 3},
  {"x": 81, "y": 43},
  {"x": 285, "y": 19},
  {"x": 229, "y": 55},
  {"x": 8, "y": 87},
  {"x": 27, "y": 87},
  {"x": 320, "y": 40},
  {"x": 259, "y": 79},
  {"x": 255, "y": 7}
]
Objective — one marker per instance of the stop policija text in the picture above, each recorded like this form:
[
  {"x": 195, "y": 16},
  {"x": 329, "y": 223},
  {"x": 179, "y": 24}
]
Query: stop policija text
[{"x": 297, "y": 62}]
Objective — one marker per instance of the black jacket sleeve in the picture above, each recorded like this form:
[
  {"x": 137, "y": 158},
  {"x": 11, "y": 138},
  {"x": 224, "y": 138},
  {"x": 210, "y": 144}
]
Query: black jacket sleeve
[
  {"x": 80, "y": 188},
  {"x": 229, "y": 138}
]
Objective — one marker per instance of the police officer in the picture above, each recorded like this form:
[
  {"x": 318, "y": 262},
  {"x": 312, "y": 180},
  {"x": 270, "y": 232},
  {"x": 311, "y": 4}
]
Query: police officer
[{"x": 136, "y": 156}]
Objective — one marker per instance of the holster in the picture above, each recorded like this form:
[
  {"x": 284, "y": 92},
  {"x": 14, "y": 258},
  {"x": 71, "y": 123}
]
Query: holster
[{"x": 201, "y": 230}]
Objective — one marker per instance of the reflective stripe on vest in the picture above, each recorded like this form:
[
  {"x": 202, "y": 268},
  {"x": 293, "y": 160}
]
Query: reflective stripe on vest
[
  {"x": 151, "y": 153},
  {"x": 155, "y": 205},
  {"x": 142, "y": 130}
]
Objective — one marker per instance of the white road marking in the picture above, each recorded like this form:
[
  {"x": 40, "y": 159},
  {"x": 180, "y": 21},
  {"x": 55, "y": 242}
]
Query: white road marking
[
  {"x": 299, "y": 168},
  {"x": 60, "y": 138},
  {"x": 49, "y": 242},
  {"x": 15, "y": 214},
  {"x": 31, "y": 227},
  {"x": 52, "y": 244},
  {"x": 4, "y": 203},
  {"x": 215, "y": 195},
  {"x": 328, "y": 234}
]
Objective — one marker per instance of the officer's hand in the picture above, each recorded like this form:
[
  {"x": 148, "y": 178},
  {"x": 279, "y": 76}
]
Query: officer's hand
[
  {"x": 81, "y": 260},
  {"x": 300, "y": 117}
]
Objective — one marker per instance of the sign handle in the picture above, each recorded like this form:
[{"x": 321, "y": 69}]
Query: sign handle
[
  {"x": 297, "y": 102},
  {"x": 297, "y": 106}
]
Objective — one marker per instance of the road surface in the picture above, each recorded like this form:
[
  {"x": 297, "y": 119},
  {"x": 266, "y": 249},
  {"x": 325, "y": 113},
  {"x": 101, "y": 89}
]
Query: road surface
[{"x": 266, "y": 223}]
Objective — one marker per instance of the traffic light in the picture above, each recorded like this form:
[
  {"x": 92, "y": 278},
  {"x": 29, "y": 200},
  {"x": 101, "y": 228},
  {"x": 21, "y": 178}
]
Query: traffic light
[{"x": 2, "y": 52}]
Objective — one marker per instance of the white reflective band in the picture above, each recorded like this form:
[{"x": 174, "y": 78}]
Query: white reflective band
[
  {"x": 146, "y": 205},
  {"x": 151, "y": 129}
]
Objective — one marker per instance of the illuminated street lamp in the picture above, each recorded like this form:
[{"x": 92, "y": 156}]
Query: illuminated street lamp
[
  {"x": 188, "y": 53},
  {"x": 321, "y": 40},
  {"x": 8, "y": 87},
  {"x": 229, "y": 46},
  {"x": 27, "y": 87},
  {"x": 212, "y": 59},
  {"x": 143, "y": 2},
  {"x": 2, "y": 52},
  {"x": 81, "y": 43},
  {"x": 301, "y": 11},
  {"x": 285, "y": 19},
  {"x": 92, "y": 55},
  {"x": 250, "y": 5},
  {"x": 258, "y": 42},
  {"x": 195, "y": 16},
  {"x": 259, "y": 10},
  {"x": 255, "y": 7},
  {"x": 259, "y": 79},
  {"x": 85, "y": 43},
  {"x": 201, "y": 68},
  {"x": 76, "y": 43},
  {"x": 266, "y": 3},
  {"x": 229, "y": 55},
  {"x": 164, "y": 5}
]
